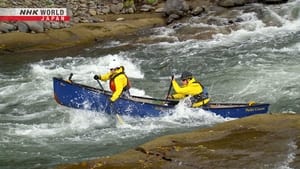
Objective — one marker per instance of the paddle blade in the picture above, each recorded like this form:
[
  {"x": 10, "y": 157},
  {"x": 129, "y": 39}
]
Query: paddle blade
[{"x": 120, "y": 120}]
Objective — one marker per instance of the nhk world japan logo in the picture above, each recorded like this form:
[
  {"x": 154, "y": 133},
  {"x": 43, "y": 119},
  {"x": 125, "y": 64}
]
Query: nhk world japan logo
[{"x": 34, "y": 14}]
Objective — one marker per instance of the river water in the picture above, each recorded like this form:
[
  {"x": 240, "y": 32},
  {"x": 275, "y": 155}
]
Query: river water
[{"x": 256, "y": 63}]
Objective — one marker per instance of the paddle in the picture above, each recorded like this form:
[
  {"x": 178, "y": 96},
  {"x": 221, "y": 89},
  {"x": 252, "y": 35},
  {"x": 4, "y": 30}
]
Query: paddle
[
  {"x": 70, "y": 78},
  {"x": 113, "y": 110},
  {"x": 170, "y": 87},
  {"x": 121, "y": 121},
  {"x": 100, "y": 84}
]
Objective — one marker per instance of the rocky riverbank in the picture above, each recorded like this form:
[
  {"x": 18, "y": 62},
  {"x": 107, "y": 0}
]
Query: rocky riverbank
[
  {"x": 261, "y": 141},
  {"x": 81, "y": 34},
  {"x": 93, "y": 21}
]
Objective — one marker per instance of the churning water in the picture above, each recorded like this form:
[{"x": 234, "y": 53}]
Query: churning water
[{"x": 256, "y": 63}]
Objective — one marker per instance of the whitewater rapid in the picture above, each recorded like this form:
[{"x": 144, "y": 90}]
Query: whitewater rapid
[{"x": 255, "y": 63}]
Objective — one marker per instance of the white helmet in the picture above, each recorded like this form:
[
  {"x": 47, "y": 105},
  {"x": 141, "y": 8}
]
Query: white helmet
[{"x": 114, "y": 64}]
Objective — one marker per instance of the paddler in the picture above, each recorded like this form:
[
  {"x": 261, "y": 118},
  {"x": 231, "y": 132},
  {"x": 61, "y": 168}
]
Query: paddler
[
  {"x": 118, "y": 81},
  {"x": 190, "y": 87}
]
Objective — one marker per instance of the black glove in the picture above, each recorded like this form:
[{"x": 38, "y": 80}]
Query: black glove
[{"x": 96, "y": 77}]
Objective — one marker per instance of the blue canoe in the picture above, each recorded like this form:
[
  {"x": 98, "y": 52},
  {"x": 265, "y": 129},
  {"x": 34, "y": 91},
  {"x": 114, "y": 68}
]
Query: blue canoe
[{"x": 80, "y": 96}]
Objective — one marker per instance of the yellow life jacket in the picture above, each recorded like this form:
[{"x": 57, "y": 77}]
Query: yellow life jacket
[
  {"x": 200, "y": 99},
  {"x": 112, "y": 85}
]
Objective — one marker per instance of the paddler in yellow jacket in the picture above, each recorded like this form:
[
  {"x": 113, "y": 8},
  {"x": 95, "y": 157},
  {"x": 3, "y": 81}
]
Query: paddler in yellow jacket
[
  {"x": 190, "y": 87},
  {"x": 118, "y": 81}
]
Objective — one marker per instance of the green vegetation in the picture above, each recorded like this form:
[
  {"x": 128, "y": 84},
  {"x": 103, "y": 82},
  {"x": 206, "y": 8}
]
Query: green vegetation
[
  {"x": 151, "y": 1},
  {"x": 129, "y": 3}
]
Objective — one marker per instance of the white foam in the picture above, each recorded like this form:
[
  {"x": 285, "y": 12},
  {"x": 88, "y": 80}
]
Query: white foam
[
  {"x": 253, "y": 29},
  {"x": 83, "y": 120},
  {"x": 35, "y": 86},
  {"x": 164, "y": 32},
  {"x": 2, "y": 105},
  {"x": 292, "y": 149},
  {"x": 111, "y": 44},
  {"x": 78, "y": 121},
  {"x": 38, "y": 130},
  {"x": 83, "y": 69},
  {"x": 137, "y": 92},
  {"x": 191, "y": 117},
  {"x": 182, "y": 116}
]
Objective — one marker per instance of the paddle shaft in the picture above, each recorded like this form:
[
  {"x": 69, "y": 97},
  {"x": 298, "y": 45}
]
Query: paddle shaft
[
  {"x": 70, "y": 76},
  {"x": 115, "y": 112},
  {"x": 120, "y": 120},
  {"x": 100, "y": 85},
  {"x": 170, "y": 87}
]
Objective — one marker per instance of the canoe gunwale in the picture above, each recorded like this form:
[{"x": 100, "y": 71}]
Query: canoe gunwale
[
  {"x": 147, "y": 104},
  {"x": 165, "y": 103},
  {"x": 149, "y": 100}
]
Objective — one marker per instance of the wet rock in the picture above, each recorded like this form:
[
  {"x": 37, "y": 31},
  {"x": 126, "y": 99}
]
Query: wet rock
[
  {"x": 69, "y": 11},
  {"x": 79, "y": 35},
  {"x": 146, "y": 8},
  {"x": 37, "y": 27},
  {"x": 197, "y": 11},
  {"x": 22, "y": 27},
  {"x": 274, "y": 1},
  {"x": 6, "y": 27},
  {"x": 76, "y": 19},
  {"x": 105, "y": 9},
  {"x": 178, "y": 7},
  {"x": 175, "y": 9},
  {"x": 116, "y": 1},
  {"x": 47, "y": 25},
  {"x": 92, "y": 12},
  {"x": 55, "y": 25},
  {"x": 116, "y": 8},
  {"x": 172, "y": 18},
  {"x": 231, "y": 3},
  {"x": 97, "y": 20},
  {"x": 84, "y": 10},
  {"x": 83, "y": 20},
  {"x": 160, "y": 10},
  {"x": 262, "y": 141},
  {"x": 130, "y": 10}
]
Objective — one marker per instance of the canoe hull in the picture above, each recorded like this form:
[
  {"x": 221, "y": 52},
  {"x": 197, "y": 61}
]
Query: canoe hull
[
  {"x": 80, "y": 96},
  {"x": 88, "y": 98}
]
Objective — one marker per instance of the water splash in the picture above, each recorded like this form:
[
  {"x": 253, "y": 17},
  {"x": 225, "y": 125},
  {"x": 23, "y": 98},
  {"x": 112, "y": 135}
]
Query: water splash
[{"x": 256, "y": 62}]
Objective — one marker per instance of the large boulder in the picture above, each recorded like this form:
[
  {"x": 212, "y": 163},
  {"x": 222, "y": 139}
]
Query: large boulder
[
  {"x": 22, "y": 27},
  {"x": 179, "y": 7},
  {"x": 175, "y": 9},
  {"x": 6, "y": 27},
  {"x": 231, "y": 3},
  {"x": 116, "y": 8},
  {"x": 37, "y": 27}
]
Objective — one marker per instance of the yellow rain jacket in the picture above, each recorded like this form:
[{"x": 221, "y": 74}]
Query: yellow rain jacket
[
  {"x": 118, "y": 82},
  {"x": 193, "y": 88}
]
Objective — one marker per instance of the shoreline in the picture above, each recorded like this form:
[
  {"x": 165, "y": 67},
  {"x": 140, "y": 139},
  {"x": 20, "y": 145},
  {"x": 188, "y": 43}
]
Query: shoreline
[
  {"x": 79, "y": 35},
  {"x": 251, "y": 142}
]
